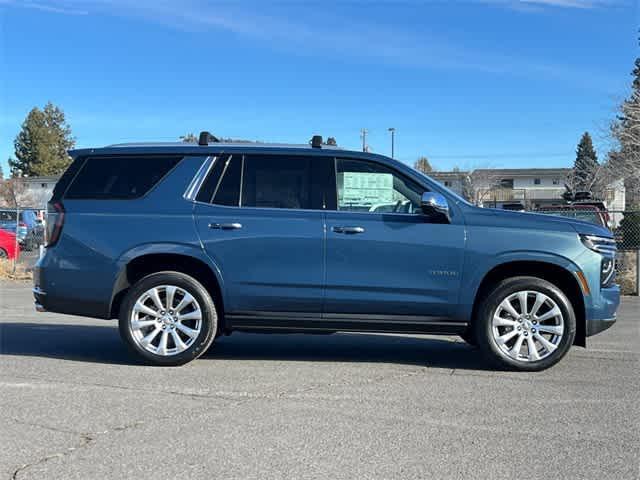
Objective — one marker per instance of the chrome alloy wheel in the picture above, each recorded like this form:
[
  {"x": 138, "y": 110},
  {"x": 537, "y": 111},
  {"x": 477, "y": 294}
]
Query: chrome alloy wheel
[
  {"x": 165, "y": 320},
  {"x": 527, "y": 326}
]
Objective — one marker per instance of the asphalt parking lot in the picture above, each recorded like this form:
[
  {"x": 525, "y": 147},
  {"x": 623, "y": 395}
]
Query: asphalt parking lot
[{"x": 75, "y": 405}]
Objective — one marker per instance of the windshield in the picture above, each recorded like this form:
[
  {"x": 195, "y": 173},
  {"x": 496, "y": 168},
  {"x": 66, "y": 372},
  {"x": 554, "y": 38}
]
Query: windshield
[{"x": 7, "y": 216}]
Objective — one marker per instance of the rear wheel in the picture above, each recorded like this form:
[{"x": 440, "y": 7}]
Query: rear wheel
[
  {"x": 525, "y": 323},
  {"x": 168, "y": 318}
]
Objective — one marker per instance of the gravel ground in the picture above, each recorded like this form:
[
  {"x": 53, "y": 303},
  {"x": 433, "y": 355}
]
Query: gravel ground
[{"x": 75, "y": 405}]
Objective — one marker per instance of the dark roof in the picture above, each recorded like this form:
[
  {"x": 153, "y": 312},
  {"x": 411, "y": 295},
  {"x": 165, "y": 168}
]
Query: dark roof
[{"x": 515, "y": 172}]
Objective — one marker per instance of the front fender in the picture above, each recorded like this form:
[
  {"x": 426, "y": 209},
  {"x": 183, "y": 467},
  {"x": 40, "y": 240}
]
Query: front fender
[{"x": 477, "y": 268}]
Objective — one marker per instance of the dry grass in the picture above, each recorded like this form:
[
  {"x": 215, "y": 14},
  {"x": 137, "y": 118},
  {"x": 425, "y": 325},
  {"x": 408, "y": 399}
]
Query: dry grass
[{"x": 7, "y": 271}]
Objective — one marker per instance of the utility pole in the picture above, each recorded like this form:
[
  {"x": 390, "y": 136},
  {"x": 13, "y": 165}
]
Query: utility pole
[
  {"x": 363, "y": 136},
  {"x": 393, "y": 141}
]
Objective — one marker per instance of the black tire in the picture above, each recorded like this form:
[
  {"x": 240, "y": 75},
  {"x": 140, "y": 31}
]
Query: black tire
[
  {"x": 209, "y": 318},
  {"x": 3, "y": 254},
  {"x": 483, "y": 327}
]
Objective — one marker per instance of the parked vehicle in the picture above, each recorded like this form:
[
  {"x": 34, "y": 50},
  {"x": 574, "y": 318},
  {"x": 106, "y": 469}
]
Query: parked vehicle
[
  {"x": 515, "y": 206},
  {"x": 8, "y": 248},
  {"x": 587, "y": 213},
  {"x": 184, "y": 242},
  {"x": 29, "y": 228}
]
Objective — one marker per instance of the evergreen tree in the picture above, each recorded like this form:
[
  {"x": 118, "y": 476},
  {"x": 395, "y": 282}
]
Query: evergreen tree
[
  {"x": 42, "y": 144},
  {"x": 624, "y": 160},
  {"x": 423, "y": 165},
  {"x": 332, "y": 141},
  {"x": 586, "y": 165}
]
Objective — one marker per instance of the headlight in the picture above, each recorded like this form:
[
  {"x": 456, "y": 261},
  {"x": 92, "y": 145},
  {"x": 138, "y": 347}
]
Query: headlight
[
  {"x": 607, "y": 271},
  {"x": 598, "y": 244},
  {"x": 607, "y": 248}
]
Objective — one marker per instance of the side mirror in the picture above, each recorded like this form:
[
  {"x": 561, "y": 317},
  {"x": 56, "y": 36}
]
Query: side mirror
[{"x": 434, "y": 204}]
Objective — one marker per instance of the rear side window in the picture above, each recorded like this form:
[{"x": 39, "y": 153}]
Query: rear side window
[
  {"x": 119, "y": 177},
  {"x": 66, "y": 179},
  {"x": 276, "y": 182},
  {"x": 228, "y": 192}
]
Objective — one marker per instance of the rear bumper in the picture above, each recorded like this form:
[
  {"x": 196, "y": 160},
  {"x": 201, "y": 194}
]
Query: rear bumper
[
  {"x": 60, "y": 291},
  {"x": 39, "y": 295}
]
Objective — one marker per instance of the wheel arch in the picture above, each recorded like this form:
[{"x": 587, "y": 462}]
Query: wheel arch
[
  {"x": 135, "y": 267},
  {"x": 559, "y": 276}
]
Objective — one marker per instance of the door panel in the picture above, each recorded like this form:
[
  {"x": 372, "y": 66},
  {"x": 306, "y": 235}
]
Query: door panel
[
  {"x": 398, "y": 265},
  {"x": 272, "y": 262},
  {"x": 261, "y": 230}
]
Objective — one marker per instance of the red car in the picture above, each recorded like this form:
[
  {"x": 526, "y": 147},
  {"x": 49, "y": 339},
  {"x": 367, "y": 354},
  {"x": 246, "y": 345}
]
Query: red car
[{"x": 9, "y": 248}]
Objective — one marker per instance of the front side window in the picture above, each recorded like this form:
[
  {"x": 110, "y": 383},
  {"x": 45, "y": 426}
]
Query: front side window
[{"x": 364, "y": 186}]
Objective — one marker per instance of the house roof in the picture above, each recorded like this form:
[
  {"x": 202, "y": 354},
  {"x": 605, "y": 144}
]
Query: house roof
[{"x": 525, "y": 172}]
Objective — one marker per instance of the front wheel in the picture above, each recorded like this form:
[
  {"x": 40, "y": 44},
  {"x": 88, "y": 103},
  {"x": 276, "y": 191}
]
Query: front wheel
[
  {"x": 168, "y": 318},
  {"x": 525, "y": 323}
]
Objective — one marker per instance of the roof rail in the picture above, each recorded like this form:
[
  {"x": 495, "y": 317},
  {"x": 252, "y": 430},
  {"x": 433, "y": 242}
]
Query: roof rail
[{"x": 205, "y": 137}]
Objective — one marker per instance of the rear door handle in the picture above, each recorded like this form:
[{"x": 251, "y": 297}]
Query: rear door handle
[
  {"x": 348, "y": 230},
  {"x": 225, "y": 226}
]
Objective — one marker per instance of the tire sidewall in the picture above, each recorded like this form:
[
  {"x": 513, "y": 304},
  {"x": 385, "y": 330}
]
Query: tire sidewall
[
  {"x": 194, "y": 288},
  {"x": 484, "y": 324}
]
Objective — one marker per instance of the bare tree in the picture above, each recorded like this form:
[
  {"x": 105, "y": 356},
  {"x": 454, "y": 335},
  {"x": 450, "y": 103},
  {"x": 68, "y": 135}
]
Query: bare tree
[
  {"x": 482, "y": 183},
  {"x": 14, "y": 193}
]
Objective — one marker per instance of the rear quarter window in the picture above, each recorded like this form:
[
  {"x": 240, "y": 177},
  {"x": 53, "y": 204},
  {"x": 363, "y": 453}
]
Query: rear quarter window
[{"x": 122, "y": 177}]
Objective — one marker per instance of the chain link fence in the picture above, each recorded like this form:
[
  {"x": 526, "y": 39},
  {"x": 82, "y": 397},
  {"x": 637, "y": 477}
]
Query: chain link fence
[{"x": 626, "y": 229}]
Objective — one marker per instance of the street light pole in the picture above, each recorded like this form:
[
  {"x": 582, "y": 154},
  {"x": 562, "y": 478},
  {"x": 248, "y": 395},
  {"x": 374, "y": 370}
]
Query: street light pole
[
  {"x": 363, "y": 135},
  {"x": 393, "y": 141}
]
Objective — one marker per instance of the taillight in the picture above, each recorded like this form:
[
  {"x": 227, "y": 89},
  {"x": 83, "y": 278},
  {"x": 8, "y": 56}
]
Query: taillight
[
  {"x": 22, "y": 225},
  {"x": 58, "y": 223}
]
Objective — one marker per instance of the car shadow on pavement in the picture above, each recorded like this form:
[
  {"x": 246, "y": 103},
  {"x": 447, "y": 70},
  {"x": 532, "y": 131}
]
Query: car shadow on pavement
[{"x": 102, "y": 344}]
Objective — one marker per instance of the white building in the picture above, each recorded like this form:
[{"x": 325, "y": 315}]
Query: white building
[{"x": 531, "y": 187}]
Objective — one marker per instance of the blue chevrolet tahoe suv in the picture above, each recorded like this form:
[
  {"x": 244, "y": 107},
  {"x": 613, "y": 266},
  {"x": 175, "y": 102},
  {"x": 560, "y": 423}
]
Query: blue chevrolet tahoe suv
[{"x": 186, "y": 242}]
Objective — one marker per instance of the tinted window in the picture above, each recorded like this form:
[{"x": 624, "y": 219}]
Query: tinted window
[
  {"x": 119, "y": 177},
  {"x": 271, "y": 181},
  {"x": 369, "y": 187},
  {"x": 228, "y": 191},
  {"x": 66, "y": 178},
  {"x": 209, "y": 186}
]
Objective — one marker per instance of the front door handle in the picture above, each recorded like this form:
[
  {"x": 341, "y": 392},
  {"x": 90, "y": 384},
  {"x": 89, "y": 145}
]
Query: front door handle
[
  {"x": 348, "y": 230},
  {"x": 225, "y": 226}
]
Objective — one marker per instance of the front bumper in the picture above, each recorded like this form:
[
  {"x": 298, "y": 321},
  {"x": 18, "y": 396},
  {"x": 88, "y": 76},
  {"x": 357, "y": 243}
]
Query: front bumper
[
  {"x": 597, "y": 326},
  {"x": 602, "y": 313}
]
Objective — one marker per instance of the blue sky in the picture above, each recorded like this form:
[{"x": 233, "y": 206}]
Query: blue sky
[{"x": 484, "y": 83}]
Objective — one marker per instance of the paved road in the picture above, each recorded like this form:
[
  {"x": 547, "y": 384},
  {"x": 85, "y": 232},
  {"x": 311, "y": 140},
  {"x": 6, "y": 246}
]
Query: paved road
[{"x": 75, "y": 405}]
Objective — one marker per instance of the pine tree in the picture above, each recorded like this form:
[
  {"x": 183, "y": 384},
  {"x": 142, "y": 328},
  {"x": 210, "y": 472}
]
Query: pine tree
[
  {"x": 423, "y": 165},
  {"x": 586, "y": 165},
  {"x": 42, "y": 144},
  {"x": 189, "y": 138},
  {"x": 331, "y": 141}
]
